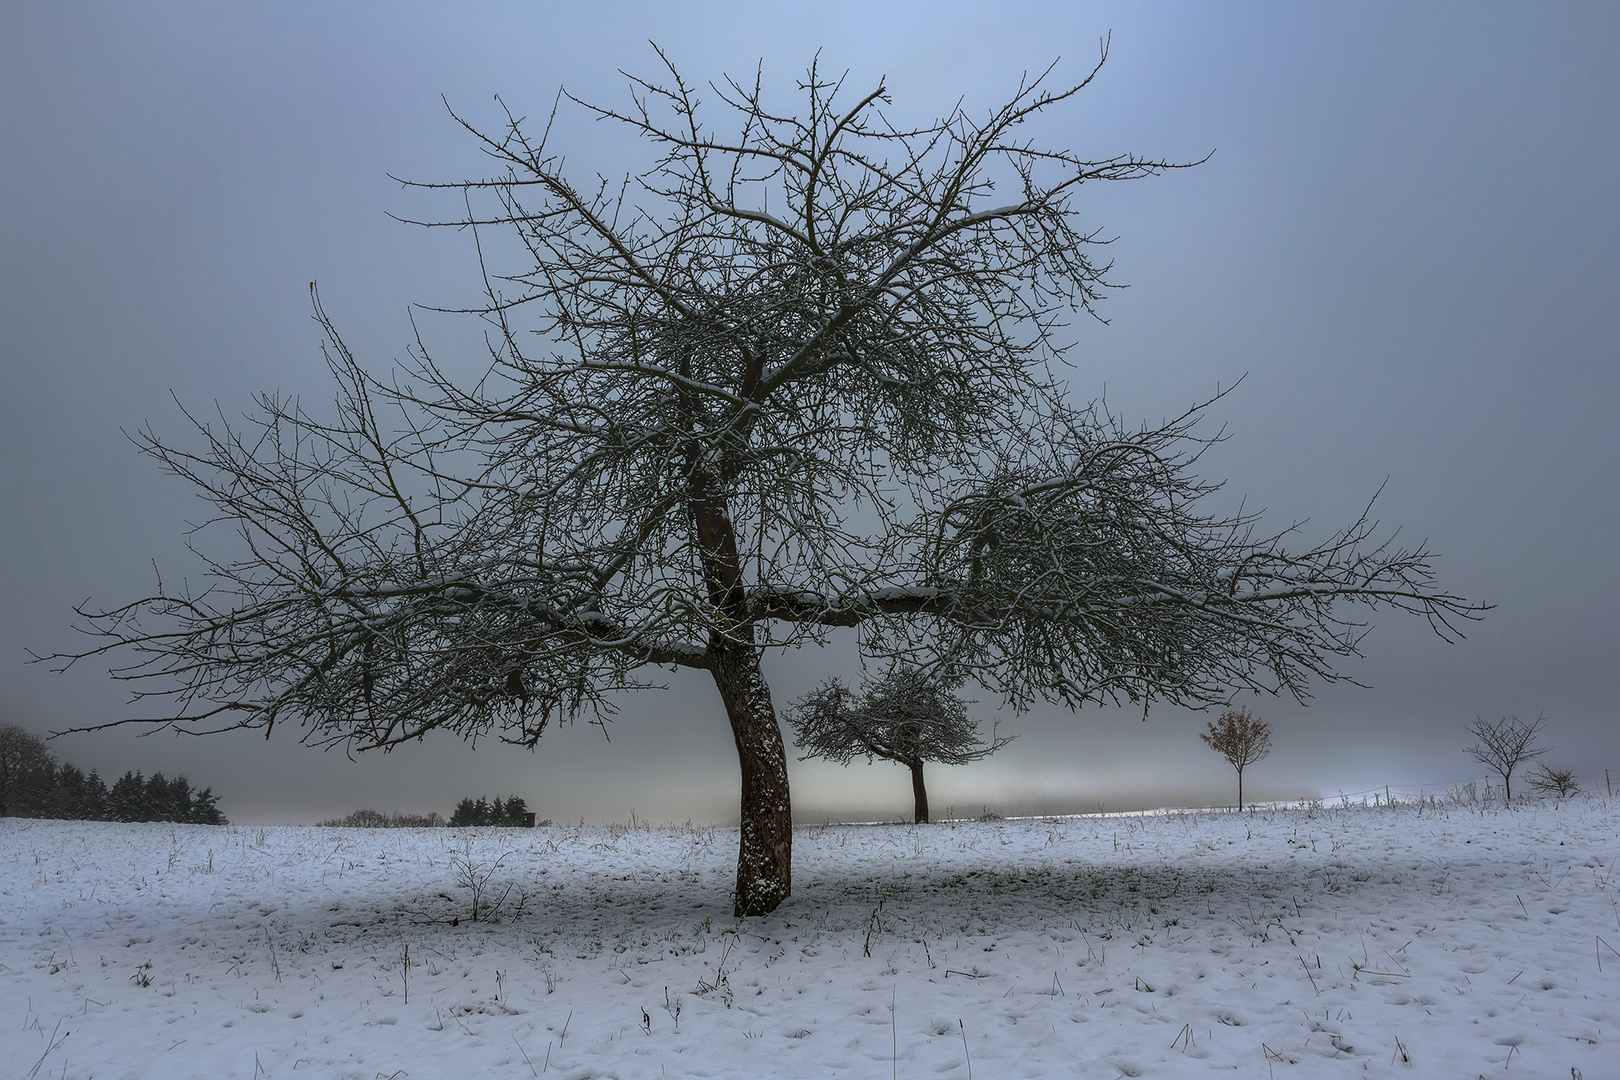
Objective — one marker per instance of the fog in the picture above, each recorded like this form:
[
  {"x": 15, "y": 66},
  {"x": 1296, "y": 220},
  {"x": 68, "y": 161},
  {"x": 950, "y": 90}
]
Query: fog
[{"x": 1404, "y": 242}]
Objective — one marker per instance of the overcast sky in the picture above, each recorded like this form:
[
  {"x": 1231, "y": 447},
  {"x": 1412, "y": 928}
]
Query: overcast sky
[{"x": 1407, "y": 238}]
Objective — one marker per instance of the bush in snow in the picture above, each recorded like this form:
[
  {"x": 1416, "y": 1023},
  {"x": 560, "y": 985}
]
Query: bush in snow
[{"x": 1550, "y": 781}]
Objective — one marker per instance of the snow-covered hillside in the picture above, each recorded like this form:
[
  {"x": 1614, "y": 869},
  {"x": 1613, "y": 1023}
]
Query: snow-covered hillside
[{"x": 1303, "y": 942}]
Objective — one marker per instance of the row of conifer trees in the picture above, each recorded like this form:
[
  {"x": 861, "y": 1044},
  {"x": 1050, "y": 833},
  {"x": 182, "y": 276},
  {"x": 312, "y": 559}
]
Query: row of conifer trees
[
  {"x": 134, "y": 797},
  {"x": 34, "y": 784},
  {"x": 512, "y": 812}
]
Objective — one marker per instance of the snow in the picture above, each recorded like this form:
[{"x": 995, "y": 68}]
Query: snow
[{"x": 1449, "y": 940}]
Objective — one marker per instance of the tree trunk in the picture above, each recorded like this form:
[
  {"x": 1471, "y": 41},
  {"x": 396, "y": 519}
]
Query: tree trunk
[
  {"x": 1240, "y": 789},
  {"x": 765, "y": 848},
  {"x": 920, "y": 792},
  {"x": 765, "y": 851}
]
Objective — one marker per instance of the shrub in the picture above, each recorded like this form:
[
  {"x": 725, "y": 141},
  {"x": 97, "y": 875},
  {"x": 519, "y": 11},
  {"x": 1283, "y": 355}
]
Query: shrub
[
  {"x": 1550, "y": 781},
  {"x": 374, "y": 819}
]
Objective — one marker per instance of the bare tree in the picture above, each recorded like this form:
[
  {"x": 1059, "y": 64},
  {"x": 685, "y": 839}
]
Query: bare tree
[
  {"x": 27, "y": 772},
  {"x": 1554, "y": 781},
  {"x": 907, "y": 716},
  {"x": 1506, "y": 744},
  {"x": 798, "y": 375},
  {"x": 1241, "y": 739}
]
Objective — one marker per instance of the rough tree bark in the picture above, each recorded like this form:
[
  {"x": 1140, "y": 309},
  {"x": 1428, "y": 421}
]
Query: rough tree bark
[
  {"x": 765, "y": 849},
  {"x": 918, "y": 791}
]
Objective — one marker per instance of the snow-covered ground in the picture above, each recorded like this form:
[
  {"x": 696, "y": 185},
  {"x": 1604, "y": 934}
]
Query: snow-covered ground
[{"x": 1306, "y": 942}]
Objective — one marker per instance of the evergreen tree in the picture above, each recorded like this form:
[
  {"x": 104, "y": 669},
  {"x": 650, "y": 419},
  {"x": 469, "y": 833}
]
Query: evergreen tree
[
  {"x": 511, "y": 812},
  {"x": 67, "y": 792},
  {"x": 202, "y": 810},
  {"x": 176, "y": 805},
  {"x": 94, "y": 802},
  {"x": 127, "y": 799},
  {"x": 466, "y": 814},
  {"x": 517, "y": 811},
  {"x": 70, "y": 786},
  {"x": 157, "y": 798}
]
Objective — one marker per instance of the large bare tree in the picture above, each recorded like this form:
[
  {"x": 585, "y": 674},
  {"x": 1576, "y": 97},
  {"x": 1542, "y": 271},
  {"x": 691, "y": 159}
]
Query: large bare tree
[{"x": 800, "y": 374}]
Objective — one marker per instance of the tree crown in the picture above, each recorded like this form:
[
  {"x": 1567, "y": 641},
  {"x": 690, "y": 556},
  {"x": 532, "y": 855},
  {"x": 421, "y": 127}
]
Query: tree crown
[
  {"x": 1239, "y": 737},
  {"x": 1504, "y": 744},
  {"x": 907, "y": 716}
]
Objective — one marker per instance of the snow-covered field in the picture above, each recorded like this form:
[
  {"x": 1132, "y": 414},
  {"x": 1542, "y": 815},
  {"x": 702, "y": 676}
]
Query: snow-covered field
[{"x": 1304, "y": 942}]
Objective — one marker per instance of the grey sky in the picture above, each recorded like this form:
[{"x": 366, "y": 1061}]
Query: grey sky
[{"x": 1407, "y": 238}]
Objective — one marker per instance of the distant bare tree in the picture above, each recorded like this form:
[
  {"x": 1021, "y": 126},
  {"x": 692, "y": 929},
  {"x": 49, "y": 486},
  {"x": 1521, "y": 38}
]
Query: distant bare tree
[
  {"x": 1241, "y": 739},
  {"x": 1554, "y": 781},
  {"x": 802, "y": 373},
  {"x": 27, "y": 772},
  {"x": 1506, "y": 744},
  {"x": 907, "y": 716}
]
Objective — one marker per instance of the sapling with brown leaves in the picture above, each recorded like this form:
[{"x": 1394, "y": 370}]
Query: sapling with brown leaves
[
  {"x": 907, "y": 716},
  {"x": 1241, "y": 739}
]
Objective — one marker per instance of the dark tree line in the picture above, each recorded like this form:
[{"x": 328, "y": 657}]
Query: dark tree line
[
  {"x": 33, "y": 784},
  {"x": 512, "y": 813}
]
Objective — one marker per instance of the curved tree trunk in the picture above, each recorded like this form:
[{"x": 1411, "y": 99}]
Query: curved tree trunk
[
  {"x": 764, "y": 858},
  {"x": 765, "y": 848},
  {"x": 918, "y": 791}
]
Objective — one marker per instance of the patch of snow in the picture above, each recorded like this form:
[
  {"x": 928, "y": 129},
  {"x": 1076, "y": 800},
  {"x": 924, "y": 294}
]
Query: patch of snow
[{"x": 1454, "y": 940}]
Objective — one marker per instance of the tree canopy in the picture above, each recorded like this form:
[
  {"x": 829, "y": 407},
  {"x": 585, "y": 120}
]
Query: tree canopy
[
  {"x": 801, "y": 373},
  {"x": 27, "y": 771},
  {"x": 1505, "y": 744},
  {"x": 1241, "y": 738},
  {"x": 906, "y": 716}
]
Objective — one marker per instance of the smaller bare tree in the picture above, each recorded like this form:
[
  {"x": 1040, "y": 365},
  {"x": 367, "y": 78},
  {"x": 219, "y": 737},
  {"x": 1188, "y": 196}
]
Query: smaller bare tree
[
  {"x": 1550, "y": 781},
  {"x": 1506, "y": 744},
  {"x": 904, "y": 716},
  {"x": 1241, "y": 739}
]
